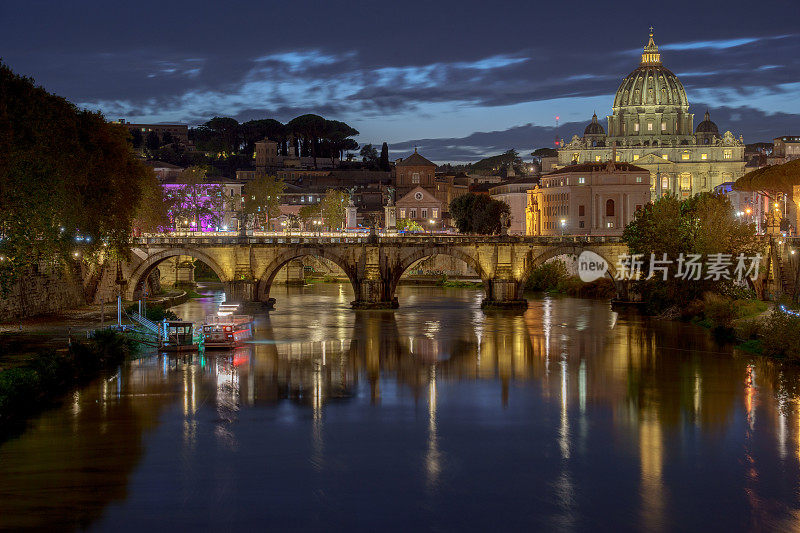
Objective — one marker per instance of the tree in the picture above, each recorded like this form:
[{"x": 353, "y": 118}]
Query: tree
[
  {"x": 703, "y": 224},
  {"x": 544, "y": 152},
  {"x": 491, "y": 165},
  {"x": 194, "y": 202},
  {"x": 334, "y": 208},
  {"x": 69, "y": 180},
  {"x": 478, "y": 213},
  {"x": 384, "y": 159},
  {"x": 337, "y": 138},
  {"x": 310, "y": 128},
  {"x": 153, "y": 211},
  {"x": 308, "y": 213},
  {"x": 262, "y": 198},
  {"x": 219, "y": 135},
  {"x": 256, "y": 130},
  {"x": 369, "y": 155},
  {"x": 407, "y": 224}
]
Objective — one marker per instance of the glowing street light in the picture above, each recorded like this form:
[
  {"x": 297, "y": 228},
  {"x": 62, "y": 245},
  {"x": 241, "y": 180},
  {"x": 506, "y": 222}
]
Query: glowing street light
[{"x": 563, "y": 225}]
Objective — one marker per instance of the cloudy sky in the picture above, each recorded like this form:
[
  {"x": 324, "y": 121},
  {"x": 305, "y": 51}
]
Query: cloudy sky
[{"x": 460, "y": 79}]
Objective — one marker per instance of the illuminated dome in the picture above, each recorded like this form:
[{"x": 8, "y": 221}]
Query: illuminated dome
[
  {"x": 651, "y": 106},
  {"x": 594, "y": 127},
  {"x": 652, "y": 84},
  {"x": 707, "y": 126}
]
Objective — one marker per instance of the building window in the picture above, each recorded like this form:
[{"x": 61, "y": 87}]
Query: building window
[
  {"x": 597, "y": 158},
  {"x": 415, "y": 177},
  {"x": 610, "y": 225},
  {"x": 649, "y": 126},
  {"x": 402, "y": 213},
  {"x": 638, "y": 207},
  {"x": 618, "y": 158},
  {"x": 638, "y": 179},
  {"x": 434, "y": 213},
  {"x": 727, "y": 154},
  {"x": 581, "y": 211},
  {"x": 685, "y": 155},
  {"x": 412, "y": 213},
  {"x": 665, "y": 157},
  {"x": 636, "y": 127},
  {"x": 610, "y": 208},
  {"x": 424, "y": 212},
  {"x": 665, "y": 183},
  {"x": 580, "y": 224},
  {"x": 581, "y": 181},
  {"x": 703, "y": 156},
  {"x": 663, "y": 126},
  {"x": 635, "y": 157}
]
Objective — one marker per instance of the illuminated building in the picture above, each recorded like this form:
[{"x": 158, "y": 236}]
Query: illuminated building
[
  {"x": 651, "y": 126},
  {"x": 587, "y": 199}
]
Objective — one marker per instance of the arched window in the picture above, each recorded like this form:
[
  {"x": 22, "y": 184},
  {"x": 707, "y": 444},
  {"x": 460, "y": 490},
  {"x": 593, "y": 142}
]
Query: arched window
[{"x": 610, "y": 208}]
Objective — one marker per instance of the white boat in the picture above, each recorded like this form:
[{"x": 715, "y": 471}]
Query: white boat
[{"x": 227, "y": 331}]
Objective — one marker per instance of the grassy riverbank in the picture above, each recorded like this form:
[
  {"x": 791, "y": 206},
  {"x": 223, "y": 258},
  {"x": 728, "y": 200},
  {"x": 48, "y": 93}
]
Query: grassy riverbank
[
  {"x": 47, "y": 376},
  {"x": 754, "y": 326}
]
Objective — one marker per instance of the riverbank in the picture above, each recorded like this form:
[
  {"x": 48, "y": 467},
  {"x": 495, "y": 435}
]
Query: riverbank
[{"x": 46, "y": 376}]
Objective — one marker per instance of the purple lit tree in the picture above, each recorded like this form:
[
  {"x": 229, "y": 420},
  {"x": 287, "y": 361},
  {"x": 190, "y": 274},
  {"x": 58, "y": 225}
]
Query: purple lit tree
[{"x": 194, "y": 203}]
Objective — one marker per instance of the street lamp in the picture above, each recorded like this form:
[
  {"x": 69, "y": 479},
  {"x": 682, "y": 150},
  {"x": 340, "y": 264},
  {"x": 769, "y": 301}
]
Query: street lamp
[
  {"x": 431, "y": 222},
  {"x": 563, "y": 225}
]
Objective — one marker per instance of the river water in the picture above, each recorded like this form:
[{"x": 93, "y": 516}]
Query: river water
[{"x": 434, "y": 416}]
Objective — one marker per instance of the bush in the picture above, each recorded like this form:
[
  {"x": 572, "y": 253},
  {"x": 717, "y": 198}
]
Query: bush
[
  {"x": 721, "y": 311},
  {"x": 19, "y": 388},
  {"x": 24, "y": 390},
  {"x": 547, "y": 277},
  {"x": 747, "y": 329},
  {"x": 156, "y": 313},
  {"x": 780, "y": 335}
]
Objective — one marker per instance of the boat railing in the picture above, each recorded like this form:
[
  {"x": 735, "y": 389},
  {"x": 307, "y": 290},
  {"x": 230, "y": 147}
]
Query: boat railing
[{"x": 228, "y": 319}]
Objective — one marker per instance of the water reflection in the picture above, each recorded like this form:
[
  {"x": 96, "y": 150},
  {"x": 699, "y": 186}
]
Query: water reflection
[{"x": 566, "y": 416}]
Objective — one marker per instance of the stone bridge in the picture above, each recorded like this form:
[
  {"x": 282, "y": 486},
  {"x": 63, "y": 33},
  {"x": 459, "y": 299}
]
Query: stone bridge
[{"x": 247, "y": 265}]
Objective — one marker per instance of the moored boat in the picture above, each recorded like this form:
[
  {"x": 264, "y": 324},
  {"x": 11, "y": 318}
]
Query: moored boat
[{"x": 227, "y": 331}]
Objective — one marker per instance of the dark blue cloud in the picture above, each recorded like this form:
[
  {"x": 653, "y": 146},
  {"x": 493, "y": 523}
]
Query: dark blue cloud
[{"x": 416, "y": 70}]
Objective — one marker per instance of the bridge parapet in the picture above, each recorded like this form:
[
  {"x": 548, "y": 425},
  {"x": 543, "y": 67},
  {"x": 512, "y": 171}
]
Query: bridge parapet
[{"x": 247, "y": 264}]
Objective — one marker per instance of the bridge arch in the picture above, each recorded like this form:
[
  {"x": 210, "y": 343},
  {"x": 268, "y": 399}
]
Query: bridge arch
[
  {"x": 408, "y": 260},
  {"x": 265, "y": 279},
  {"x": 575, "y": 249},
  {"x": 140, "y": 273}
]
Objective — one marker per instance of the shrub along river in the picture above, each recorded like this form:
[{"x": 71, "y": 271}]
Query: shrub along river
[{"x": 433, "y": 416}]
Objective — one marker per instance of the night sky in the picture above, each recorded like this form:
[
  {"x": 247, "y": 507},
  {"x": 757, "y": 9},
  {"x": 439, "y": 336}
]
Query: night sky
[{"x": 460, "y": 79}]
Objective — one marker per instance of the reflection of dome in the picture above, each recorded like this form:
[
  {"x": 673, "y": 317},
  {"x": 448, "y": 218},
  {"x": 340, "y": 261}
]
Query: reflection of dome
[
  {"x": 652, "y": 84},
  {"x": 707, "y": 126},
  {"x": 594, "y": 127}
]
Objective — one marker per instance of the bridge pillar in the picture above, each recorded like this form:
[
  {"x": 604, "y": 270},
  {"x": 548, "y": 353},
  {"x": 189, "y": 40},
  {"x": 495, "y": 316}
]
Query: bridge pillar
[
  {"x": 372, "y": 292},
  {"x": 504, "y": 293},
  {"x": 241, "y": 291}
]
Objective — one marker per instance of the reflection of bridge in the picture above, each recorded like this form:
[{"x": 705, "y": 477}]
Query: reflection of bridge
[{"x": 247, "y": 265}]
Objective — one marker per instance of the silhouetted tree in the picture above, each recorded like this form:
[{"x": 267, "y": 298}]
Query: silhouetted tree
[
  {"x": 384, "y": 159},
  {"x": 478, "y": 213}
]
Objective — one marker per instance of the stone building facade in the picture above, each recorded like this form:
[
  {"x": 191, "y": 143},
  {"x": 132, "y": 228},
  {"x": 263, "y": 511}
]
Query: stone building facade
[
  {"x": 515, "y": 194},
  {"x": 587, "y": 199},
  {"x": 422, "y": 207},
  {"x": 651, "y": 126},
  {"x": 414, "y": 171}
]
